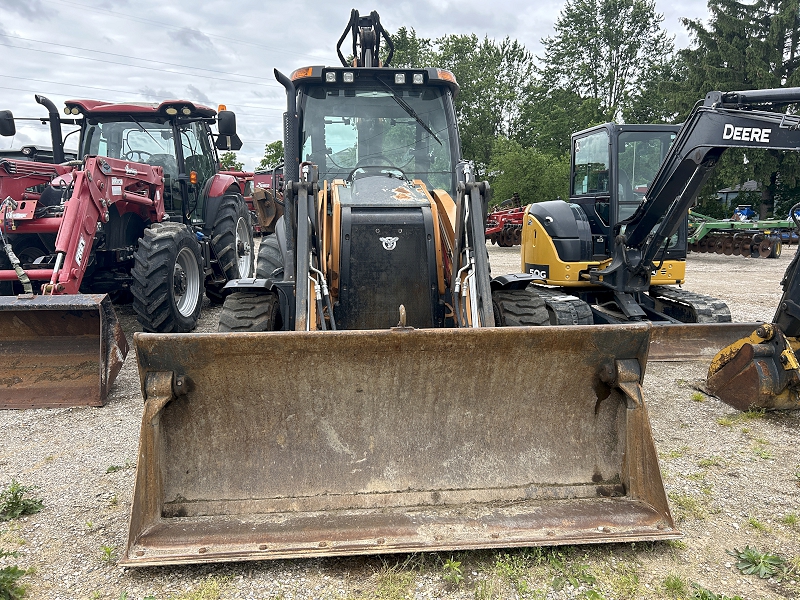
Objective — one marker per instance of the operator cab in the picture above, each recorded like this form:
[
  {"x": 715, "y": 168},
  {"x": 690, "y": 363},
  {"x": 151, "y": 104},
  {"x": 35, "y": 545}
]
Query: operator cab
[
  {"x": 612, "y": 167},
  {"x": 364, "y": 122}
]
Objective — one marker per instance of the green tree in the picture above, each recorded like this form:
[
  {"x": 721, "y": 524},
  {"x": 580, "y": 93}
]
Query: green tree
[
  {"x": 744, "y": 46},
  {"x": 606, "y": 49},
  {"x": 273, "y": 156},
  {"x": 228, "y": 162},
  {"x": 534, "y": 175},
  {"x": 410, "y": 51}
]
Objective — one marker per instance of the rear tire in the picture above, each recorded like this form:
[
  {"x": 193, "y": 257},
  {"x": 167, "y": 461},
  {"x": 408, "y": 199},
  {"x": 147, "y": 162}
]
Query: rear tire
[
  {"x": 249, "y": 311},
  {"x": 270, "y": 258},
  {"x": 232, "y": 240},
  {"x": 519, "y": 308},
  {"x": 168, "y": 280}
]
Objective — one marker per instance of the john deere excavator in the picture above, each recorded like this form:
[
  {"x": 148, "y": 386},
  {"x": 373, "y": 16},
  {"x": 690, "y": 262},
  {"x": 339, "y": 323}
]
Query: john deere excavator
[{"x": 349, "y": 403}]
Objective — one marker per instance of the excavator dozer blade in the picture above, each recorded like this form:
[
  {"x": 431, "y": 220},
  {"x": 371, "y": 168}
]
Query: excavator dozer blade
[
  {"x": 278, "y": 445},
  {"x": 58, "y": 351},
  {"x": 694, "y": 341}
]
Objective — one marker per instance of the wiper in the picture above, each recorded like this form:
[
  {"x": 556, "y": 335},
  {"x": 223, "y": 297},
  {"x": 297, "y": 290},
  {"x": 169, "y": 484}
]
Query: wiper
[
  {"x": 411, "y": 112},
  {"x": 147, "y": 132}
]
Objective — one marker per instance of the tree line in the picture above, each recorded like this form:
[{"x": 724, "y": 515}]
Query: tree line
[{"x": 611, "y": 60}]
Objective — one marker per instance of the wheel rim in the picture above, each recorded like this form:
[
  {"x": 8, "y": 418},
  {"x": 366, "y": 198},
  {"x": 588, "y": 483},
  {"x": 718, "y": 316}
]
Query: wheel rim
[
  {"x": 244, "y": 251},
  {"x": 186, "y": 282}
]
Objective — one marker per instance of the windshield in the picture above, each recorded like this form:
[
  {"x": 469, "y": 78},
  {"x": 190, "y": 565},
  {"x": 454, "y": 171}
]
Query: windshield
[
  {"x": 378, "y": 128},
  {"x": 142, "y": 142},
  {"x": 640, "y": 156}
]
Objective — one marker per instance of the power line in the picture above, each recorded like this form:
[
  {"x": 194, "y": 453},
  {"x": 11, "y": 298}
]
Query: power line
[
  {"x": 24, "y": 39},
  {"x": 111, "y": 62}
]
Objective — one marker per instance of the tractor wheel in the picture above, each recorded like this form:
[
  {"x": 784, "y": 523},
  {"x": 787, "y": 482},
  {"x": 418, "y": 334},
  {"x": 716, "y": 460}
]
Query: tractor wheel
[
  {"x": 777, "y": 248},
  {"x": 514, "y": 308},
  {"x": 250, "y": 311},
  {"x": 168, "y": 279},
  {"x": 270, "y": 258},
  {"x": 232, "y": 240}
]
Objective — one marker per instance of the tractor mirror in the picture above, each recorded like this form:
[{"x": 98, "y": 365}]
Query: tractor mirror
[
  {"x": 7, "y": 126},
  {"x": 226, "y": 122},
  {"x": 228, "y": 142}
]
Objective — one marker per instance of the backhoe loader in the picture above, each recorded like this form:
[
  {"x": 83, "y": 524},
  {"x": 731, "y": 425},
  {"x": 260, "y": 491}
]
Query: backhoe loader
[
  {"x": 144, "y": 216},
  {"x": 761, "y": 371},
  {"x": 349, "y": 403}
]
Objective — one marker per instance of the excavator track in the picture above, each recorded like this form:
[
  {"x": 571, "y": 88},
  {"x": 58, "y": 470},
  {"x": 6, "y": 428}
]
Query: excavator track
[
  {"x": 565, "y": 309},
  {"x": 689, "y": 307}
]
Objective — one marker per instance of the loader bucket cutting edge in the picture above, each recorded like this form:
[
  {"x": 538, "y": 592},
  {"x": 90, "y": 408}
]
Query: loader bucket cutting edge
[
  {"x": 58, "y": 351},
  {"x": 283, "y": 445},
  {"x": 694, "y": 341}
]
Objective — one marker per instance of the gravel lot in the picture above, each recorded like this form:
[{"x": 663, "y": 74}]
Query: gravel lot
[{"x": 733, "y": 480}]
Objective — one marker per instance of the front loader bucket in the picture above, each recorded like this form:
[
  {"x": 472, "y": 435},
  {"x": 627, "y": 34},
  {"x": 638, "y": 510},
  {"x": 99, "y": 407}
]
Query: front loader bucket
[
  {"x": 58, "y": 351},
  {"x": 277, "y": 445},
  {"x": 694, "y": 341}
]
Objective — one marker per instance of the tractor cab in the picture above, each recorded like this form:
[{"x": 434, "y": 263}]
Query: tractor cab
[
  {"x": 399, "y": 123},
  {"x": 173, "y": 135}
]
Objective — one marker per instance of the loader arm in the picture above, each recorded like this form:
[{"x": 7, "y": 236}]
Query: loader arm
[{"x": 722, "y": 121}]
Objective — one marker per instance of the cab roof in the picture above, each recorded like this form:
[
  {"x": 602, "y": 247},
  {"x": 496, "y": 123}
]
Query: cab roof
[{"x": 97, "y": 108}]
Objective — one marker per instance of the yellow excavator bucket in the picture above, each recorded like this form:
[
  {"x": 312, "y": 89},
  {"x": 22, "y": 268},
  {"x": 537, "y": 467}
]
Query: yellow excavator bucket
[
  {"x": 58, "y": 351},
  {"x": 297, "y": 444}
]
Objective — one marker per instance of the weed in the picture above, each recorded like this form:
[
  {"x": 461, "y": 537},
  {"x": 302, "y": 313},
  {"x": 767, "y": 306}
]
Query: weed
[
  {"x": 756, "y": 524},
  {"x": 678, "y": 452},
  {"x": 626, "y": 581},
  {"x": 711, "y": 461},
  {"x": 741, "y": 417},
  {"x": 114, "y": 468},
  {"x": 752, "y": 562},
  {"x": 89, "y": 524},
  {"x": 10, "y": 589},
  {"x": 790, "y": 519},
  {"x": 675, "y": 585},
  {"x": 108, "y": 553},
  {"x": 701, "y": 593},
  {"x": 113, "y": 501},
  {"x": 698, "y": 397},
  {"x": 686, "y": 506},
  {"x": 452, "y": 571},
  {"x": 763, "y": 453},
  {"x": 394, "y": 582},
  {"x": 210, "y": 589},
  {"x": 677, "y": 544},
  {"x": 488, "y": 589},
  {"x": 13, "y": 502}
]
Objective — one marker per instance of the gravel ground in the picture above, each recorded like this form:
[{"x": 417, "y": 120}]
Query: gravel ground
[{"x": 733, "y": 480}]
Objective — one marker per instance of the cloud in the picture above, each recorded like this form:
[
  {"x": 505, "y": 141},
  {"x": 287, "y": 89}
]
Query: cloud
[
  {"x": 32, "y": 10},
  {"x": 158, "y": 95},
  {"x": 192, "y": 38},
  {"x": 195, "y": 94}
]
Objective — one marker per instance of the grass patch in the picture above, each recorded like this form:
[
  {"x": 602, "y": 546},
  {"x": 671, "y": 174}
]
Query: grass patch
[
  {"x": 13, "y": 502},
  {"x": 711, "y": 461},
  {"x": 687, "y": 507},
  {"x": 698, "y": 397},
  {"x": 678, "y": 452},
  {"x": 675, "y": 586},
  {"x": 394, "y": 582},
  {"x": 210, "y": 589},
  {"x": 701, "y": 593},
  {"x": 741, "y": 417},
  {"x": 791, "y": 519},
  {"x": 756, "y": 524}
]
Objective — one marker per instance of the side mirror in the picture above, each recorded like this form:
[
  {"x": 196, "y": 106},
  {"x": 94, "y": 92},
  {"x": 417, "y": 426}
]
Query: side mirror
[
  {"x": 7, "y": 125},
  {"x": 228, "y": 142},
  {"x": 226, "y": 122}
]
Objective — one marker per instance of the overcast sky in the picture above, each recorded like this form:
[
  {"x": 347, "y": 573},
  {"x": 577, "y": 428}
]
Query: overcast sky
[{"x": 223, "y": 51}]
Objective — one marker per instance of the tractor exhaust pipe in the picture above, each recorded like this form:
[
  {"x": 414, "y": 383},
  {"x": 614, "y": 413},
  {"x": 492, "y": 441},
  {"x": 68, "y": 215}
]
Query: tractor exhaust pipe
[{"x": 55, "y": 128}]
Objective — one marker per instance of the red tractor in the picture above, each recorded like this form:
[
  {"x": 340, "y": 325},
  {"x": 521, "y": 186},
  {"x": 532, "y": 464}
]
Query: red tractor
[{"x": 145, "y": 215}]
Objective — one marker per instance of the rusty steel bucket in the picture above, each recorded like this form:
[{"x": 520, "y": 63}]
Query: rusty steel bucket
[
  {"x": 278, "y": 445},
  {"x": 694, "y": 341},
  {"x": 58, "y": 351}
]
